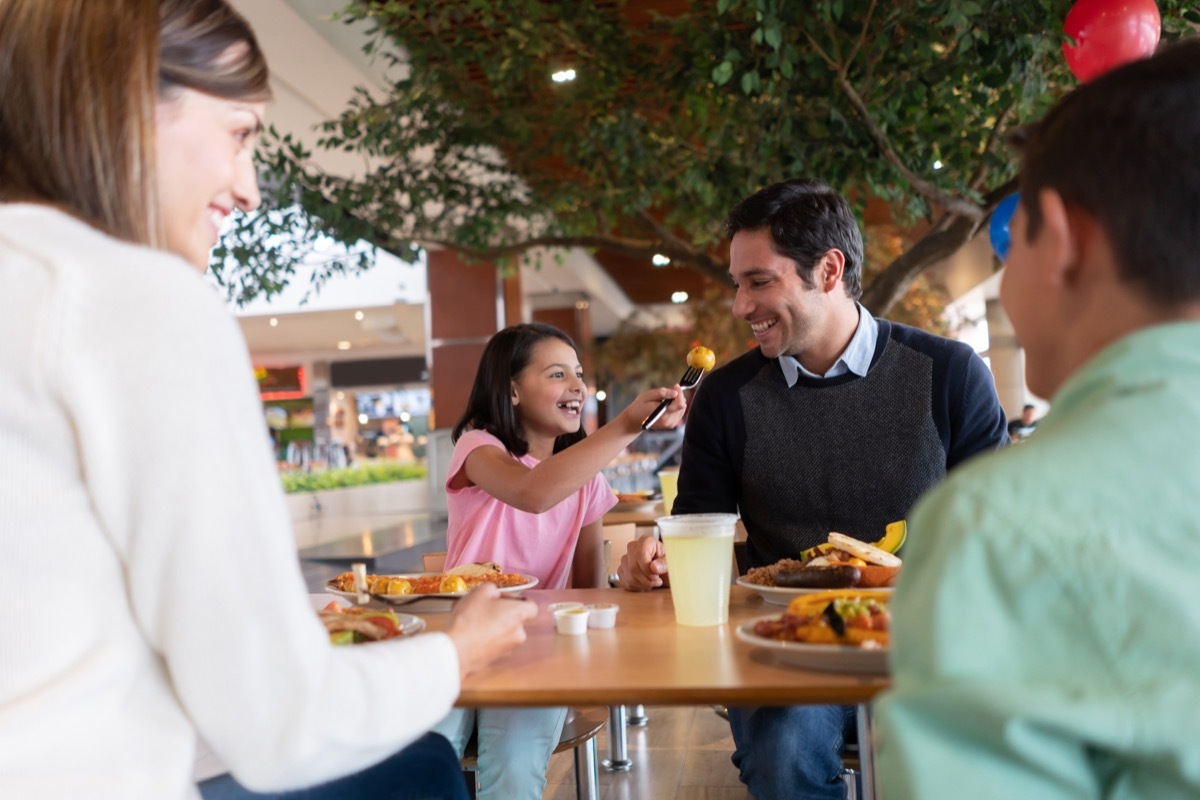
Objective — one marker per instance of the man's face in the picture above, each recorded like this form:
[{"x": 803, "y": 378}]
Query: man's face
[
  {"x": 1029, "y": 301},
  {"x": 786, "y": 316}
]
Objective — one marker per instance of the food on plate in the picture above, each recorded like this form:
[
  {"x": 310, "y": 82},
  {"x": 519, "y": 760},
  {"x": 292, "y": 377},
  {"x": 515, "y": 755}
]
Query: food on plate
[
  {"x": 765, "y": 576},
  {"x": 701, "y": 358},
  {"x": 356, "y": 624},
  {"x": 849, "y": 617},
  {"x": 476, "y": 569},
  {"x": 429, "y": 584},
  {"x": 452, "y": 584},
  {"x": 640, "y": 496},
  {"x": 841, "y": 562}
]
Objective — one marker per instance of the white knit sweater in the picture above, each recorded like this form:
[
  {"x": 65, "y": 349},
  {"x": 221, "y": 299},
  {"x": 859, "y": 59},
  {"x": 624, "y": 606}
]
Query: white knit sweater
[{"x": 149, "y": 588}]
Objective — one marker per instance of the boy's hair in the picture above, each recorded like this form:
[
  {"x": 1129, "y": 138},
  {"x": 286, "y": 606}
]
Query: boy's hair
[
  {"x": 490, "y": 407},
  {"x": 806, "y": 219},
  {"x": 1124, "y": 149}
]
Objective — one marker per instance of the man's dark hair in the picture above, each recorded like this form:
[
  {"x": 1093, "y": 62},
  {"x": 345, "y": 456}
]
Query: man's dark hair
[
  {"x": 1124, "y": 149},
  {"x": 806, "y": 219}
]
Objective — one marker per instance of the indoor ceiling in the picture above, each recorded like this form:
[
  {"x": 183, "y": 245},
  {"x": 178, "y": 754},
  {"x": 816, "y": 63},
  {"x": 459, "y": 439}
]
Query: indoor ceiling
[{"x": 316, "y": 63}]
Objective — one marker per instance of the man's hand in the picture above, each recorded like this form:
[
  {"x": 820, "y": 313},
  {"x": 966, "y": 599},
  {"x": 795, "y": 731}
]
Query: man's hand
[
  {"x": 485, "y": 626},
  {"x": 644, "y": 566}
]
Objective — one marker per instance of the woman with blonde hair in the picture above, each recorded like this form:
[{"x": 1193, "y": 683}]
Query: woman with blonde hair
[{"x": 149, "y": 599}]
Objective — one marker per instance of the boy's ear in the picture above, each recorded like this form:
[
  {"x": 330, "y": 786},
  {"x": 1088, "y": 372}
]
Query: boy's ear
[{"x": 1059, "y": 238}]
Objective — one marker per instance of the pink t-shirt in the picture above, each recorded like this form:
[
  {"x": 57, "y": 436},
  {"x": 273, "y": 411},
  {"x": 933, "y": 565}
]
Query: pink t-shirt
[{"x": 482, "y": 528}]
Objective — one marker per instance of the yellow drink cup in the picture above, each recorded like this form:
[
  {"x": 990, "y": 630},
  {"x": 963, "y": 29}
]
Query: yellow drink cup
[
  {"x": 700, "y": 562},
  {"x": 668, "y": 479}
]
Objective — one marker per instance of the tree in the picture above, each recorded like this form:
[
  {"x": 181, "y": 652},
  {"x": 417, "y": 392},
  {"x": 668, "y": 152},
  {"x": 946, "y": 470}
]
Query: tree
[{"x": 677, "y": 110}]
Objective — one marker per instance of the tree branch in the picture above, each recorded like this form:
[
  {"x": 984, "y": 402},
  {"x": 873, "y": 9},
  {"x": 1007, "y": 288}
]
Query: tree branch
[
  {"x": 981, "y": 170},
  {"x": 950, "y": 202},
  {"x": 636, "y": 248},
  {"x": 862, "y": 36},
  {"x": 946, "y": 236}
]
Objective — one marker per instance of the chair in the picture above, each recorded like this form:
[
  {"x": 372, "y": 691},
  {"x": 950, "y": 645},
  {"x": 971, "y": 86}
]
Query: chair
[
  {"x": 578, "y": 734},
  {"x": 616, "y": 539},
  {"x": 433, "y": 562}
]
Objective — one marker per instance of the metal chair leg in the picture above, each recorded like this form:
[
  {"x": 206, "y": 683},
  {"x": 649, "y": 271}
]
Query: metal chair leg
[
  {"x": 866, "y": 752},
  {"x": 637, "y": 717},
  {"x": 618, "y": 759},
  {"x": 587, "y": 773}
]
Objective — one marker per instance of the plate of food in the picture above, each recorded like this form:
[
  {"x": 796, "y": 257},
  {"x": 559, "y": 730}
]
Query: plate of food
[
  {"x": 840, "y": 563},
  {"x": 421, "y": 585},
  {"x": 635, "y": 502},
  {"x": 350, "y": 624},
  {"x": 838, "y": 630}
]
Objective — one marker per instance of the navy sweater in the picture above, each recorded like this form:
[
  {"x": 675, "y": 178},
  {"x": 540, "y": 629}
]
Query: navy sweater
[{"x": 847, "y": 454}]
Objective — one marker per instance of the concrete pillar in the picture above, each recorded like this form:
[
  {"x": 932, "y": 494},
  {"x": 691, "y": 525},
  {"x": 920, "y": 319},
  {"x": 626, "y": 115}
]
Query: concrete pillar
[{"x": 1007, "y": 359}]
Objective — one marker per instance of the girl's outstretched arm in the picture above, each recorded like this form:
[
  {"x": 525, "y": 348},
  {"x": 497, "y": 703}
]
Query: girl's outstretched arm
[{"x": 562, "y": 474}]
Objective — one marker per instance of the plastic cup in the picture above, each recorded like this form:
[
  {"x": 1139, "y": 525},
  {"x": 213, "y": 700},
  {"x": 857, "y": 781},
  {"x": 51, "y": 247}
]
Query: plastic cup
[
  {"x": 668, "y": 479},
  {"x": 700, "y": 559},
  {"x": 571, "y": 621}
]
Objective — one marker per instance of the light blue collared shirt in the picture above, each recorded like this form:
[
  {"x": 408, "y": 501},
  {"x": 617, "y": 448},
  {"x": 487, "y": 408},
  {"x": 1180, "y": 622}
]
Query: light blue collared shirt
[{"x": 855, "y": 358}]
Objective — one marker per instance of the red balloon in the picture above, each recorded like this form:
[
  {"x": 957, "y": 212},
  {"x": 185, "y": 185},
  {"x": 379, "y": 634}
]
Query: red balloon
[{"x": 1109, "y": 33}]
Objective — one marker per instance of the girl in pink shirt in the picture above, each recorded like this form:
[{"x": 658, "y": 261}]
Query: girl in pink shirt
[{"x": 524, "y": 490}]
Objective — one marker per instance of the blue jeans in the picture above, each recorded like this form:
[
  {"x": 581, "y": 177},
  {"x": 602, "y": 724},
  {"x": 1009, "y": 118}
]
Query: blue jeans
[
  {"x": 425, "y": 770},
  {"x": 514, "y": 747},
  {"x": 791, "y": 752}
]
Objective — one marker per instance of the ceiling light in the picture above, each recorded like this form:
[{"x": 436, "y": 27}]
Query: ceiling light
[
  {"x": 582, "y": 305},
  {"x": 405, "y": 416},
  {"x": 601, "y": 395},
  {"x": 358, "y": 315},
  {"x": 274, "y": 322},
  {"x": 343, "y": 345},
  {"x": 563, "y": 76},
  {"x": 937, "y": 165},
  {"x": 679, "y": 297},
  {"x": 660, "y": 260},
  {"x": 341, "y": 395},
  {"x": 363, "y": 419}
]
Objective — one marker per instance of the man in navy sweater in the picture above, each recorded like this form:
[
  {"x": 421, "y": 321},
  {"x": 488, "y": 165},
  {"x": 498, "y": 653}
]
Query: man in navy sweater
[{"x": 838, "y": 421}]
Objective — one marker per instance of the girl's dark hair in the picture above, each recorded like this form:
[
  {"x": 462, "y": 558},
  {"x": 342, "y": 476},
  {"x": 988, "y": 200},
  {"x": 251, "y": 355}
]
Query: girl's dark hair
[{"x": 490, "y": 406}]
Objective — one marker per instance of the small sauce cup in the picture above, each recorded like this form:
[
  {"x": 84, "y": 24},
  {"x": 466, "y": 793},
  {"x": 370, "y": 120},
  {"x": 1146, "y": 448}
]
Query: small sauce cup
[
  {"x": 571, "y": 621},
  {"x": 554, "y": 608},
  {"x": 602, "y": 615}
]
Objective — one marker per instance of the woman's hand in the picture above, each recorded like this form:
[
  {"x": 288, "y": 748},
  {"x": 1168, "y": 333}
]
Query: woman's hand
[{"x": 485, "y": 626}]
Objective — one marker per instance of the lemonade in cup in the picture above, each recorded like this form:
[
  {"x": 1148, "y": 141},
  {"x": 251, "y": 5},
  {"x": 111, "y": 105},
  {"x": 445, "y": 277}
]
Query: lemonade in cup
[
  {"x": 699, "y": 550},
  {"x": 668, "y": 479}
]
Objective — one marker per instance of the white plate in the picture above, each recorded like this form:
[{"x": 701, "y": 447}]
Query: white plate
[
  {"x": 634, "y": 508},
  {"x": 822, "y": 657},
  {"x": 782, "y": 595},
  {"x": 408, "y": 598},
  {"x": 407, "y": 623}
]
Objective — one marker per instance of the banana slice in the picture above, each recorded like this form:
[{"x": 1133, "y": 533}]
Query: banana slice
[{"x": 867, "y": 552}]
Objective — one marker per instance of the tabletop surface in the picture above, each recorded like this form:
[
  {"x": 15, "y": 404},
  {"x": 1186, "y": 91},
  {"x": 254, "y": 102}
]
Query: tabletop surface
[{"x": 648, "y": 658}]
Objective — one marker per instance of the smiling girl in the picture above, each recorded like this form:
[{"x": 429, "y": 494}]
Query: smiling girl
[{"x": 524, "y": 490}]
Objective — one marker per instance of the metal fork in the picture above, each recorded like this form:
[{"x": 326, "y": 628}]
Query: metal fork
[{"x": 690, "y": 380}]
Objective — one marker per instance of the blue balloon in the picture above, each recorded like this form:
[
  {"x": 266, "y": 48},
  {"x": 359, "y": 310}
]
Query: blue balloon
[{"x": 998, "y": 228}]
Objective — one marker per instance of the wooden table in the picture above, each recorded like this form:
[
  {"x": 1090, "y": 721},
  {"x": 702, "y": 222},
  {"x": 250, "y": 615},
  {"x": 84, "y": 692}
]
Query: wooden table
[{"x": 648, "y": 658}]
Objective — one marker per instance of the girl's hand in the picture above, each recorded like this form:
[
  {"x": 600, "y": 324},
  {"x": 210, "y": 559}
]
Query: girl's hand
[{"x": 647, "y": 401}]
